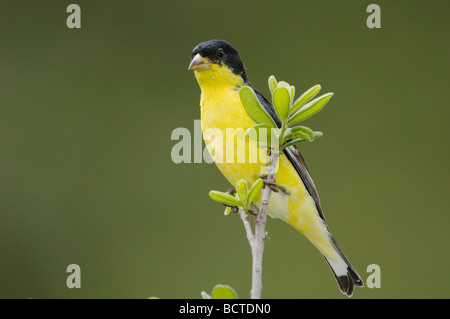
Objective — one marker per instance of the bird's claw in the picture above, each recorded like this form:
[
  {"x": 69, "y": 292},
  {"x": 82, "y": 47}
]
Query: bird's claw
[{"x": 273, "y": 186}]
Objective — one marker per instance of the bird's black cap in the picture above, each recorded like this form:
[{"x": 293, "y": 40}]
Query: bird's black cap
[{"x": 221, "y": 52}]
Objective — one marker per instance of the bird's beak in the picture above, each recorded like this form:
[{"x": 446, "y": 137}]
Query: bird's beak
[{"x": 199, "y": 63}]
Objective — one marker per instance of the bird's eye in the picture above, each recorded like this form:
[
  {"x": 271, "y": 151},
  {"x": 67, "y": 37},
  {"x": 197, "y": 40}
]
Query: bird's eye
[{"x": 220, "y": 53}]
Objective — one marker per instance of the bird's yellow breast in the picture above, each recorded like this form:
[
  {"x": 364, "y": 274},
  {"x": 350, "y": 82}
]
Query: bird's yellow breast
[{"x": 224, "y": 123}]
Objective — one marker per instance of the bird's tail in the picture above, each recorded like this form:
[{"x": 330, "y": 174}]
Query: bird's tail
[{"x": 346, "y": 276}]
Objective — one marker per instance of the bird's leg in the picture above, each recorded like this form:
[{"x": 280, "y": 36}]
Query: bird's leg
[{"x": 273, "y": 186}]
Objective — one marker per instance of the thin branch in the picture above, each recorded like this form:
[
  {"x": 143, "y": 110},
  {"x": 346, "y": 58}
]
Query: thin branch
[
  {"x": 260, "y": 233},
  {"x": 247, "y": 226}
]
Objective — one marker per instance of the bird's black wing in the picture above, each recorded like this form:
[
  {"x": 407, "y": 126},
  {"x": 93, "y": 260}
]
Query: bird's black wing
[{"x": 294, "y": 156}]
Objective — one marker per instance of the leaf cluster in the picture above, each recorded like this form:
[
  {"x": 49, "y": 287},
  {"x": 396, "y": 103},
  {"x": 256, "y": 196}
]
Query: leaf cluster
[
  {"x": 291, "y": 112},
  {"x": 243, "y": 197}
]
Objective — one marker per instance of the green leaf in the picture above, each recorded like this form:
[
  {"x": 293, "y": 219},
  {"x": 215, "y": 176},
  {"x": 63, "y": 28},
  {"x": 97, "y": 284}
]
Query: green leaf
[
  {"x": 223, "y": 292},
  {"x": 292, "y": 92},
  {"x": 241, "y": 188},
  {"x": 293, "y": 142},
  {"x": 302, "y": 132},
  {"x": 282, "y": 102},
  {"x": 310, "y": 109},
  {"x": 317, "y": 134},
  {"x": 272, "y": 83},
  {"x": 283, "y": 84},
  {"x": 305, "y": 97},
  {"x": 227, "y": 211},
  {"x": 254, "y": 108},
  {"x": 262, "y": 133},
  {"x": 225, "y": 198},
  {"x": 254, "y": 190},
  {"x": 301, "y": 135},
  {"x": 205, "y": 295}
]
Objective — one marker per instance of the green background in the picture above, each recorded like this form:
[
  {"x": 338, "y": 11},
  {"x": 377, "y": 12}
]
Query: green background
[{"x": 86, "y": 175}]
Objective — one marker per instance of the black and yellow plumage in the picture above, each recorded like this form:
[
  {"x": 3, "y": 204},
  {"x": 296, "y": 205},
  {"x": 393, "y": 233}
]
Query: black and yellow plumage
[{"x": 220, "y": 73}]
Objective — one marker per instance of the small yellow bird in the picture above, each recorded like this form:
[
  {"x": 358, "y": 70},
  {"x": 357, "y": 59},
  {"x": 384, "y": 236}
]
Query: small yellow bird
[{"x": 220, "y": 74}]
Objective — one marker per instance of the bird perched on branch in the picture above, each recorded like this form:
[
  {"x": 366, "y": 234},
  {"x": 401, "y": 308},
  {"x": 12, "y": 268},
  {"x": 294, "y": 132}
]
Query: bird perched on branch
[{"x": 220, "y": 74}]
